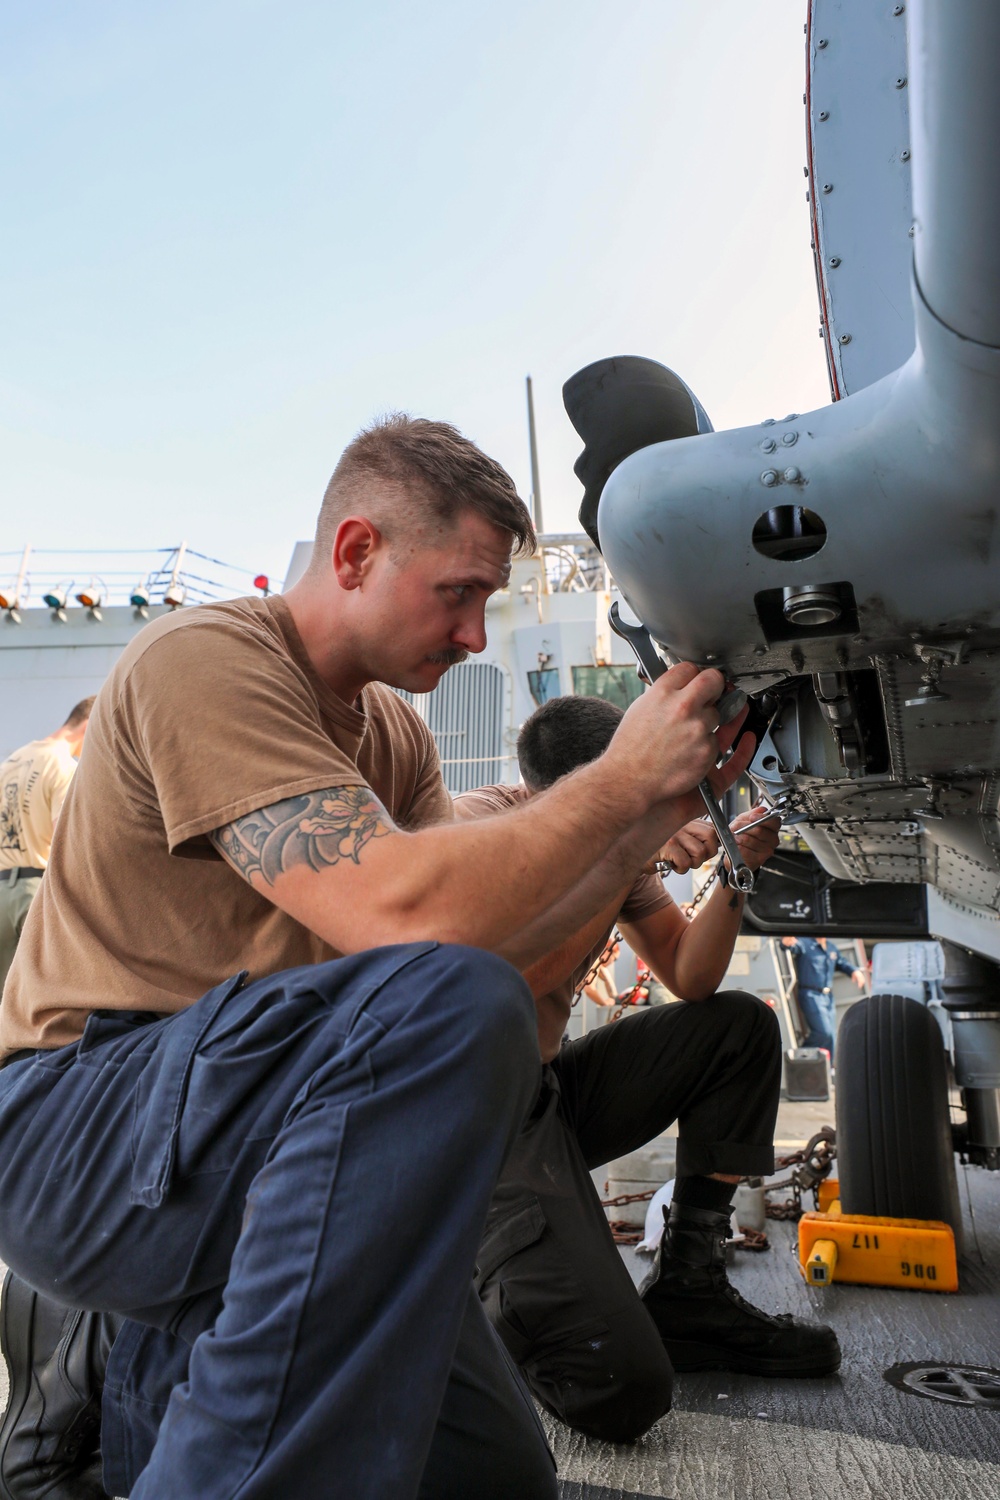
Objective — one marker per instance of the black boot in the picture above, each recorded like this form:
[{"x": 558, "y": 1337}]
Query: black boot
[
  {"x": 704, "y": 1322},
  {"x": 50, "y": 1437}
]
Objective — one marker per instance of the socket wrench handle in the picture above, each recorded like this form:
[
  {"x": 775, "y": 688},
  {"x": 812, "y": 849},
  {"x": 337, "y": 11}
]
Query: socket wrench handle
[{"x": 652, "y": 666}]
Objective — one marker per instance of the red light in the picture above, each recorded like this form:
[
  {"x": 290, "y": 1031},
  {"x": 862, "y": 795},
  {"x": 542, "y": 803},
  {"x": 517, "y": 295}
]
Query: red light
[{"x": 262, "y": 582}]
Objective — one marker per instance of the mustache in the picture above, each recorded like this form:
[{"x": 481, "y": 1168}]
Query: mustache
[{"x": 448, "y": 658}]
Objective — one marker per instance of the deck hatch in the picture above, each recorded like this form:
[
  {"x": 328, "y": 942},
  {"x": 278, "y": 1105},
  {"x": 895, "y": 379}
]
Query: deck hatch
[{"x": 959, "y": 1385}]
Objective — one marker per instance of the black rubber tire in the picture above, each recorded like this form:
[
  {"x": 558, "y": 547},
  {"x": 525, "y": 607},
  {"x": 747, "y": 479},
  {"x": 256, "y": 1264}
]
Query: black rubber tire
[{"x": 895, "y": 1154}]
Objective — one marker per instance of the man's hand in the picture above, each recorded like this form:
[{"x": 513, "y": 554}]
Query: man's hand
[
  {"x": 698, "y": 841},
  {"x": 859, "y": 978},
  {"x": 691, "y": 846},
  {"x": 670, "y": 738}
]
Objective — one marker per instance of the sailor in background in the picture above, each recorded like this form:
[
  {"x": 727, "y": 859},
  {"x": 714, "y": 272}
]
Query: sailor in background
[
  {"x": 33, "y": 785},
  {"x": 816, "y": 962}
]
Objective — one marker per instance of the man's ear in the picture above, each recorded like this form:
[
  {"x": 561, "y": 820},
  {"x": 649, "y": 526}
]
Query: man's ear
[{"x": 354, "y": 546}]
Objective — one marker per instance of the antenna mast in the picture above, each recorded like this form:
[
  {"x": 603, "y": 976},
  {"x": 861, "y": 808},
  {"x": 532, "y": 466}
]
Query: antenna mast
[{"x": 536, "y": 488}]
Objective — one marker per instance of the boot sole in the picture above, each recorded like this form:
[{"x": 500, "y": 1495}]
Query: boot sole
[{"x": 687, "y": 1357}]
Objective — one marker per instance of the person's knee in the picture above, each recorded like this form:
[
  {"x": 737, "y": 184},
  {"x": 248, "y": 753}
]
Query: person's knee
[
  {"x": 623, "y": 1411},
  {"x": 473, "y": 992},
  {"x": 485, "y": 997},
  {"x": 751, "y": 1015},
  {"x": 476, "y": 1018},
  {"x": 612, "y": 1388}
]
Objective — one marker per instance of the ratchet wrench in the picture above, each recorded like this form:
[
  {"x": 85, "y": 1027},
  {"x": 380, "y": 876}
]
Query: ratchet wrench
[{"x": 652, "y": 666}]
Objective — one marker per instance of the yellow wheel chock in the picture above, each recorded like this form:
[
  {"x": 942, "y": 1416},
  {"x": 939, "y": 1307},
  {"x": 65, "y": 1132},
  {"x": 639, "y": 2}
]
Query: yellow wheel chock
[
  {"x": 828, "y": 1193},
  {"x": 916, "y": 1254}
]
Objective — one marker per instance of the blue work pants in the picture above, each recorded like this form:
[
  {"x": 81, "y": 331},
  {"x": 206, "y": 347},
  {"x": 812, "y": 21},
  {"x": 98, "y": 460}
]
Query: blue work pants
[
  {"x": 820, "y": 1015},
  {"x": 288, "y": 1181}
]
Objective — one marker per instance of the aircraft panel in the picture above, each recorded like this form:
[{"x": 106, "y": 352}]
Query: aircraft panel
[{"x": 858, "y": 146}]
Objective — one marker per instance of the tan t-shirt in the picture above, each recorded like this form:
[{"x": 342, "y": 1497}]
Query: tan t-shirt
[
  {"x": 209, "y": 714},
  {"x": 646, "y": 896},
  {"x": 33, "y": 785}
]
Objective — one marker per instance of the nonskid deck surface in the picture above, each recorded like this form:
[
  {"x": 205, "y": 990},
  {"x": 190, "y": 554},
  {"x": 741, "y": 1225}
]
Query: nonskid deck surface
[{"x": 733, "y": 1437}]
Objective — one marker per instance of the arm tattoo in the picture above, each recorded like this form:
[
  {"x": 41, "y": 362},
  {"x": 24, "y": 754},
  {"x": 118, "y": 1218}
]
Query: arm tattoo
[{"x": 317, "y": 829}]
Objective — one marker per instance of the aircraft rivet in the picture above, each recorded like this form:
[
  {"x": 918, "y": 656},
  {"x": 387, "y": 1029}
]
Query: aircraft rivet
[
  {"x": 904, "y": 156},
  {"x": 768, "y": 445},
  {"x": 793, "y": 475},
  {"x": 845, "y": 338},
  {"x": 834, "y": 261},
  {"x": 824, "y": 114},
  {"x": 828, "y": 187},
  {"x": 767, "y": 422},
  {"x": 769, "y": 477},
  {"x": 897, "y": 10},
  {"x": 789, "y": 439},
  {"x": 901, "y": 83},
  {"x": 823, "y": 42}
]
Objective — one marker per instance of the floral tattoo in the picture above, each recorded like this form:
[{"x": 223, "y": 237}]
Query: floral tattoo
[{"x": 317, "y": 829}]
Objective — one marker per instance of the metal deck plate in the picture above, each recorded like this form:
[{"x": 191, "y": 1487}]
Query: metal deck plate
[{"x": 960, "y": 1385}]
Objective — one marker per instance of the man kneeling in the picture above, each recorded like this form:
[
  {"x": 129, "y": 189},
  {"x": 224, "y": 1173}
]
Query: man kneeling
[{"x": 551, "y": 1278}]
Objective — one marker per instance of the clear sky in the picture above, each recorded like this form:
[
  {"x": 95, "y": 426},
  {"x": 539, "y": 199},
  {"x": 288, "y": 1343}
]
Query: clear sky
[{"x": 237, "y": 229}]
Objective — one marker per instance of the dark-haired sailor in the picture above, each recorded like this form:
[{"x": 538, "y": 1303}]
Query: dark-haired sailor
[{"x": 549, "y": 1273}]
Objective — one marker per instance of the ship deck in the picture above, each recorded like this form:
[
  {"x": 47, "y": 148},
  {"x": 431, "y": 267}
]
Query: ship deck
[{"x": 733, "y": 1437}]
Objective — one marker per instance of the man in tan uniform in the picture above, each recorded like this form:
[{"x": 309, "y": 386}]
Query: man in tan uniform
[
  {"x": 266, "y": 996},
  {"x": 33, "y": 786}
]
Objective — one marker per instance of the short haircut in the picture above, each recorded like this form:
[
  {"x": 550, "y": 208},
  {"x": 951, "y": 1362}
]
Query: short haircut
[
  {"x": 442, "y": 473},
  {"x": 81, "y": 713},
  {"x": 562, "y": 735}
]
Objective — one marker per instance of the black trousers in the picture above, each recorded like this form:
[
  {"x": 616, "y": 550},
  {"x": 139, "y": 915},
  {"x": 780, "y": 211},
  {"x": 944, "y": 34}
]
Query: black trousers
[{"x": 549, "y": 1273}]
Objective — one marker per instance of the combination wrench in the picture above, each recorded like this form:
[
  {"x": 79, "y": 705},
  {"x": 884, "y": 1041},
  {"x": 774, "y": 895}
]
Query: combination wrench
[{"x": 652, "y": 666}]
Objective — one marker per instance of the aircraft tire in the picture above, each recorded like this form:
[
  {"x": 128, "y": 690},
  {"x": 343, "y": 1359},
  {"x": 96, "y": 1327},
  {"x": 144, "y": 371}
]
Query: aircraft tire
[{"x": 895, "y": 1155}]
